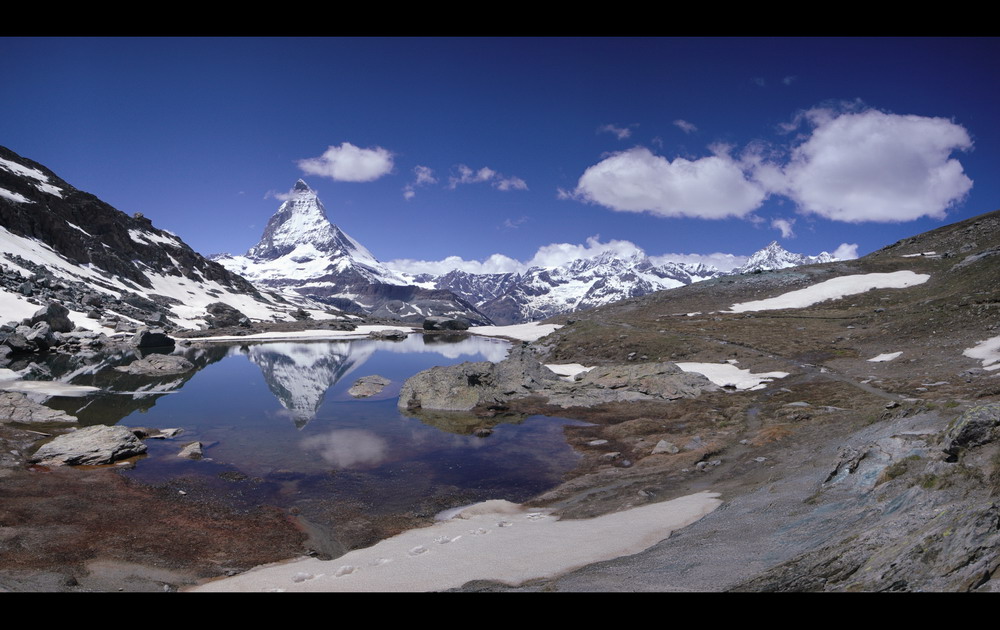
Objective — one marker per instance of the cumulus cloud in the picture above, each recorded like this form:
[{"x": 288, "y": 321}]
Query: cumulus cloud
[
  {"x": 719, "y": 260},
  {"x": 424, "y": 176},
  {"x": 621, "y": 132},
  {"x": 636, "y": 180},
  {"x": 280, "y": 196},
  {"x": 873, "y": 166},
  {"x": 685, "y": 126},
  {"x": 499, "y": 181},
  {"x": 785, "y": 225},
  {"x": 846, "y": 251},
  {"x": 348, "y": 163},
  {"x": 497, "y": 263}
]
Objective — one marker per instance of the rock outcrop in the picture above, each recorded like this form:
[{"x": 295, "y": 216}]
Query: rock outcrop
[
  {"x": 157, "y": 365},
  {"x": 92, "y": 446},
  {"x": 16, "y": 407}
]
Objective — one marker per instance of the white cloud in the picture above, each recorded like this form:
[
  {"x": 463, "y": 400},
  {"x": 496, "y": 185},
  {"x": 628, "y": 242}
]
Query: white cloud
[
  {"x": 556, "y": 254},
  {"x": 497, "y": 263},
  {"x": 789, "y": 79},
  {"x": 685, "y": 126},
  {"x": 280, "y": 196},
  {"x": 511, "y": 183},
  {"x": 638, "y": 181},
  {"x": 348, "y": 163},
  {"x": 785, "y": 225},
  {"x": 514, "y": 223},
  {"x": 424, "y": 177},
  {"x": 873, "y": 166},
  {"x": 846, "y": 251},
  {"x": 723, "y": 262},
  {"x": 621, "y": 132},
  {"x": 467, "y": 175}
]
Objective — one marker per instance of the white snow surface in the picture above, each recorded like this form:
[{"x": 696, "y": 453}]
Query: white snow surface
[
  {"x": 13, "y": 196},
  {"x": 568, "y": 370},
  {"x": 987, "y": 351},
  {"x": 723, "y": 374},
  {"x": 495, "y": 540},
  {"x": 834, "y": 289},
  {"x": 359, "y": 333},
  {"x": 888, "y": 356},
  {"x": 10, "y": 381},
  {"x": 524, "y": 332}
]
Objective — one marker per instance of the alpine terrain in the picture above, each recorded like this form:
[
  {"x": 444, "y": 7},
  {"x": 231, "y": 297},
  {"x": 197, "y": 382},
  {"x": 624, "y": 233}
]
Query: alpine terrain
[{"x": 302, "y": 253}]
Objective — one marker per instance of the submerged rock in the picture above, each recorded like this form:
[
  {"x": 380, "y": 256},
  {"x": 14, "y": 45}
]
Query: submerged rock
[
  {"x": 368, "y": 386},
  {"x": 445, "y": 323},
  {"x": 94, "y": 445},
  {"x": 157, "y": 364},
  {"x": 16, "y": 407}
]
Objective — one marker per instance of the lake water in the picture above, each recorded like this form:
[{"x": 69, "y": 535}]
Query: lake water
[{"x": 280, "y": 429}]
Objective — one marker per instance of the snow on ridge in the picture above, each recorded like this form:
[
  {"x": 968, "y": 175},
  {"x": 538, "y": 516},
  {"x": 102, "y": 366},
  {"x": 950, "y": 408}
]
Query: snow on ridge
[
  {"x": 13, "y": 196},
  {"x": 833, "y": 289},
  {"x": 145, "y": 238}
]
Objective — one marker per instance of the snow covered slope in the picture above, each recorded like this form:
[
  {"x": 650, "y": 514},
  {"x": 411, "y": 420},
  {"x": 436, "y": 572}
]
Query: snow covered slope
[
  {"x": 775, "y": 256},
  {"x": 59, "y": 243}
]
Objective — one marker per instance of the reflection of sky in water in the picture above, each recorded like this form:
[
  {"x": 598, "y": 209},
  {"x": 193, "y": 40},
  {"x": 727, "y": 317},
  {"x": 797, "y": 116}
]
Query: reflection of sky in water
[{"x": 282, "y": 409}]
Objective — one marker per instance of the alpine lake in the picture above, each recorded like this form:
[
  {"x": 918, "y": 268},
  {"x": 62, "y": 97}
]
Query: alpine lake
[{"x": 278, "y": 428}]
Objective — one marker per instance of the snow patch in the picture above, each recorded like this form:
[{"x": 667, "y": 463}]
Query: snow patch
[
  {"x": 13, "y": 196},
  {"x": 523, "y": 332},
  {"x": 888, "y": 356},
  {"x": 987, "y": 351},
  {"x": 568, "y": 370},
  {"x": 834, "y": 289},
  {"x": 728, "y": 375},
  {"x": 501, "y": 541}
]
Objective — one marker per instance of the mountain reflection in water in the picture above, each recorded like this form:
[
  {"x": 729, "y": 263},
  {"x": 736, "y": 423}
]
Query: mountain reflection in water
[{"x": 279, "y": 428}]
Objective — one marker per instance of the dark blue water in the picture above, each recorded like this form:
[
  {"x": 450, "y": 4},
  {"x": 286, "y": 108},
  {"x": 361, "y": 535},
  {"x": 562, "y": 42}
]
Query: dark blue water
[{"x": 279, "y": 415}]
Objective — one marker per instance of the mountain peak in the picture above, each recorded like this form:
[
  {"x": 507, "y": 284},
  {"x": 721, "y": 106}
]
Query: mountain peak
[{"x": 301, "y": 186}]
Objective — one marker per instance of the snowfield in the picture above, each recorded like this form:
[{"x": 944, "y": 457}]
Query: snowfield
[
  {"x": 834, "y": 289},
  {"x": 727, "y": 374},
  {"x": 987, "y": 351},
  {"x": 524, "y": 332}
]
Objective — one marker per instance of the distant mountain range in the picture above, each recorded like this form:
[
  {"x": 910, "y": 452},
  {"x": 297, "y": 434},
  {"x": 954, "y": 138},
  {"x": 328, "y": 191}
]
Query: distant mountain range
[
  {"x": 302, "y": 251},
  {"x": 114, "y": 270}
]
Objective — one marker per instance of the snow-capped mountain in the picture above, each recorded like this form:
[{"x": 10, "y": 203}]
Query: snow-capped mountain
[
  {"x": 774, "y": 256},
  {"x": 302, "y": 252},
  {"x": 541, "y": 292},
  {"x": 61, "y": 244}
]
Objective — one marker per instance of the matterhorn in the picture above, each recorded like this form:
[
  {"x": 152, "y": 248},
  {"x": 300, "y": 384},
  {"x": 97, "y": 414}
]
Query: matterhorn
[{"x": 302, "y": 253}]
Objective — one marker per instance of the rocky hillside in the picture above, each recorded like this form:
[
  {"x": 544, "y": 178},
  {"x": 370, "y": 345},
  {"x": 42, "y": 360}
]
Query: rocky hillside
[
  {"x": 58, "y": 243},
  {"x": 872, "y": 465}
]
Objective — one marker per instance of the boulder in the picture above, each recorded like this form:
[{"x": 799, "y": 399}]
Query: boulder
[
  {"x": 192, "y": 451},
  {"x": 93, "y": 446},
  {"x": 16, "y": 407},
  {"x": 222, "y": 315},
  {"x": 389, "y": 334},
  {"x": 156, "y": 364},
  {"x": 977, "y": 426},
  {"x": 445, "y": 323},
  {"x": 55, "y": 315},
  {"x": 368, "y": 386},
  {"x": 151, "y": 338}
]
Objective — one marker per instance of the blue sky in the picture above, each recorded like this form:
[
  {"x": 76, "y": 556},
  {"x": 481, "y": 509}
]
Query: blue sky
[{"x": 423, "y": 148}]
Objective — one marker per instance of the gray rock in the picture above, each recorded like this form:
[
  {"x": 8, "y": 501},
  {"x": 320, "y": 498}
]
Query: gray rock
[
  {"x": 93, "y": 446},
  {"x": 389, "y": 334},
  {"x": 157, "y": 364},
  {"x": 151, "y": 338},
  {"x": 664, "y": 446},
  {"x": 222, "y": 315},
  {"x": 16, "y": 407},
  {"x": 192, "y": 451},
  {"x": 55, "y": 315},
  {"x": 368, "y": 386},
  {"x": 445, "y": 323},
  {"x": 975, "y": 427}
]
